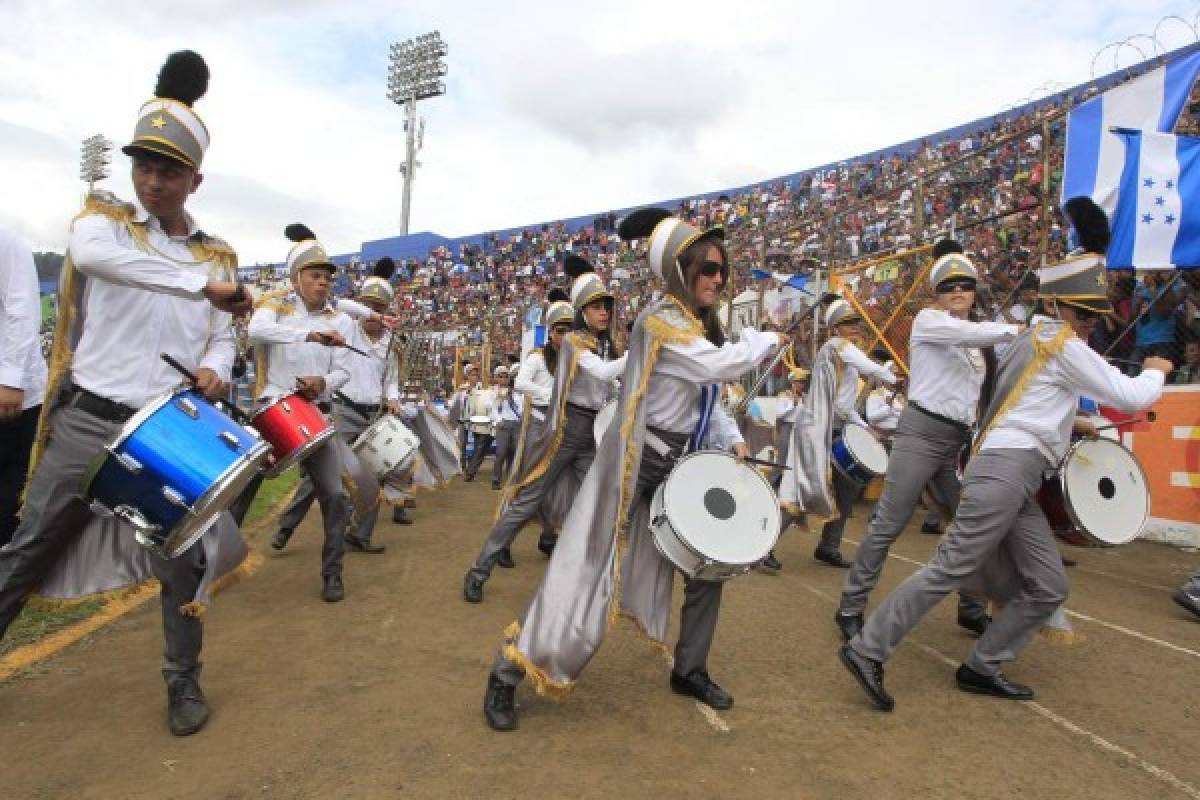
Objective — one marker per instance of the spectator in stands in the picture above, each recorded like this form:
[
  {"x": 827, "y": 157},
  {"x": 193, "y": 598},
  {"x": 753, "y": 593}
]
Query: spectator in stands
[{"x": 1189, "y": 371}]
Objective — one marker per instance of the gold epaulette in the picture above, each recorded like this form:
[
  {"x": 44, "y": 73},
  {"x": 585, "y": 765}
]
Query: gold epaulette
[
  {"x": 276, "y": 301},
  {"x": 109, "y": 205}
]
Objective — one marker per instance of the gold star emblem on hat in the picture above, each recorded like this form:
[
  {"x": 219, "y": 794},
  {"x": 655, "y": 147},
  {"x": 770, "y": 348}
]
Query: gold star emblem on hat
[
  {"x": 158, "y": 122},
  {"x": 1100, "y": 279}
]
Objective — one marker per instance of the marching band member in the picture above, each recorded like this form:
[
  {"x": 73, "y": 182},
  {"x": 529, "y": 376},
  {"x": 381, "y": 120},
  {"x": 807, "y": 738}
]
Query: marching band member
[
  {"x": 480, "y": 404},
  {"x": 788, "y": 403},
  {"x": 355, "y": 406},
  {"x": 506, "y": 417},
  {"x": 947, "y": 375},
  {"x": 457, "y": 407},
  {"x": 1025, "y": 432},
  {"x": 139, "y": 279},
  {"x": 606, "y": 563},
  {"x": 583, "y": 383},
  {"x": 830, "y": 405},
  {"x": 300, "y": 342}
]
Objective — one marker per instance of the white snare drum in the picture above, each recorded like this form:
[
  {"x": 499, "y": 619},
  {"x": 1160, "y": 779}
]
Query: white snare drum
[
  {"x": 858, "y": 455},
  {"x": 1100, "y": 492},
  {"x": 479, "y": 404},
  {"x": 714, "y": 517},
  {"x": 387, "y": 445},
  {"x": 604, "y": 418}
]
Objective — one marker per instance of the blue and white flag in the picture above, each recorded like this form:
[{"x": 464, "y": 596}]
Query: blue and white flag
[
  {"x": 1150, "y": 102},
  {"x": 794, "y": 281},
  {"x": 1157, "y": 221}
]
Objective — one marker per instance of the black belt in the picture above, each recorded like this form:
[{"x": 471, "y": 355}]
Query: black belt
[
  {"x": 102, "y": 407},
  {"x": 541, "y": 408},
  {"x": 961, "y": 427},
  {"x": 583, "y": 409},
  {"x": 363, "y": 408}
]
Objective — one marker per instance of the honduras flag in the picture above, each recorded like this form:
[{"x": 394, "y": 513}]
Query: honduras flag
[
  {"x": 1157, "y": 222},
  {"x": 1150, "y": 102},
  {"x": 794, "y": 281}
]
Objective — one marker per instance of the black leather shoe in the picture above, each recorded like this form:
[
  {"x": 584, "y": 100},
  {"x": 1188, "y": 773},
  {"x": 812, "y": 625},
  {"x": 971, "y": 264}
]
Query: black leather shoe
[
  {"x": 831, "y": 557},
  {"x": 495, "y": 486},
  {"x": 697, "y": 684},
  {"x": 506, "y": 560},
  {"x": 771, "y": 563},
  {"x": 995, "y": 685},
  {"x": 1185, "y": 600},
  {"x": 500, "y": 705},
  {"x": 470, "y": 476},
  {"x": 400, "y": 516},
  {"x": 472, "y": 588},
  {"x": 333, "y": 591},
  {"x": 869, "y": 674},
  {"x": 359, "y": 546},
  {"x": 187, "y": 710},
  {"x": 546, "y": 543},
  {"x": 848, "y": 624},
  {"x": 931, "y": 528},
  {"x": 975, "y": 623},
  {"x": 280, "y": 539}
]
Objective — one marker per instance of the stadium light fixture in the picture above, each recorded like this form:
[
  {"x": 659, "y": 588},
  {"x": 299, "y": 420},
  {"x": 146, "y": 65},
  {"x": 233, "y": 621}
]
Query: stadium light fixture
[{"x": 416, "y": 71}]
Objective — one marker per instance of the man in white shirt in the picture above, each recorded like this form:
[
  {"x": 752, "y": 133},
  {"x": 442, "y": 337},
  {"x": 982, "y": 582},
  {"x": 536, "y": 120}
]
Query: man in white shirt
[
  {"x": 506, "y": 417},
  {"x": 136, "y": 283},
  {"x": 946, "y": 375},
  {"x": 22, "y": 372},
  {"x": 1025, "y": 432},
  {"x": 300, "y": 345}
]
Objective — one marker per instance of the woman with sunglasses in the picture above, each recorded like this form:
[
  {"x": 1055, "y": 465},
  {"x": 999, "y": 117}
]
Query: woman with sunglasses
[
  {"x": 550, "y": 468},
  {"x": 606, "y": 564},
  {"x": 999, "y": 538},
  {"x": 946, "y": 374}
]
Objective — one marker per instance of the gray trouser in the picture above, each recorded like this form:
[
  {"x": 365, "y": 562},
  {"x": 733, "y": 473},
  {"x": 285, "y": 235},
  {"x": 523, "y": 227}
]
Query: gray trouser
[
  {"x": 462, "y": 445},
  {"x": 322, "y": 472},
  {"x": 349, "y": 424},
  {"x": 924, "y": 450},
  {"x": 507, "y": 432},
  {"x": 845, "y": 492},
  {"x": 483, "y": 442},
  {"x": 701, "y": 599},
  {"x": 998, "y": 514},
  {"x": 576, "y": 452},
  {"x": 54, "y": 514}
]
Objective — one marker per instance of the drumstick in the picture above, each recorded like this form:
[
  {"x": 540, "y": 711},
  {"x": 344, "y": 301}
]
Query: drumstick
[
  {"x": 234, "y": 411},
  {"x": 1150, "y": 417},
  {"x": 764, "y": 463}
]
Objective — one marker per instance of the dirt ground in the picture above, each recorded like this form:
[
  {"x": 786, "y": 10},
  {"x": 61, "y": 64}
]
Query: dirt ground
[{"x": 380, "y": 696}]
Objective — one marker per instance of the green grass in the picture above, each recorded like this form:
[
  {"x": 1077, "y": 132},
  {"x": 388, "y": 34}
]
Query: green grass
[
  {"x": 40, "y": 619},
  {"x": 47, "y": 307}
]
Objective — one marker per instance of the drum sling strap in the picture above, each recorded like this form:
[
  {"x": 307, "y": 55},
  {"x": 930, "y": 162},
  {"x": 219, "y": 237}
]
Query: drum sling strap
[{"x": 707, "y": 402}]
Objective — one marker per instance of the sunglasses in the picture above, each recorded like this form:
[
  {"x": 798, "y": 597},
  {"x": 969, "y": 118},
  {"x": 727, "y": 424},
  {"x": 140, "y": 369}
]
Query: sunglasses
[
  {"x": 946, "y": 287},
  {"x": 561, "y": 329},
  {"x": 1086, "y": 314},
  {"x": 711, "y": 268}
]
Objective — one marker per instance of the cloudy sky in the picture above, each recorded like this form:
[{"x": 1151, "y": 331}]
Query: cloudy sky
[{"x": 553, "y": 109}]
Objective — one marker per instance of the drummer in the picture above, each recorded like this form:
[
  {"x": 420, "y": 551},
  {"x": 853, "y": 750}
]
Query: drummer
[
  {"x": 137, "y": 283},
  {"x": 480, "y": 403},
  {"x": 947, "y": 374},
  {"x": 788, "y": 403},
  {"x": 1025, "y": 432},
  {"x": 831, "y": 404},
  {"x": 300, "y": 343},
  {"x": 458, "y": 409},
  {"x": 588, "y": 366},
  {"x": 678, "y": 357},
  {"x": 357, "y": 404},
  {"x": 506, "y": 420}
]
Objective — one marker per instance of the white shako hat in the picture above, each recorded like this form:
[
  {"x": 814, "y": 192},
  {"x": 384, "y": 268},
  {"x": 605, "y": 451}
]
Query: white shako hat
[
  {"x": 840, "y": 311},
  {"x": 306, "y": 252},
  {"x": 1081, "y": 280},
  {"x": 949, "y": 262},
  {"x": 559, "y": 308},
  {"x": 167, "y": 124},
  {"x": 378, "y": 285},
  {"x": 667, "y": 236},
  {"x": 586, "y": 285}
]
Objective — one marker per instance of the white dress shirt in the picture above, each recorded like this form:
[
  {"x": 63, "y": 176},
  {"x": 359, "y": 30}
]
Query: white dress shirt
[
  {"x": 508, "y": 406},
  {"x": 946, "y": 368},
  {"x": 21, "y": 363},
  {"x": 673, "y": 393},
  {"x": 534, "y": 380},
  {"x": 1045, "y": 412},
  {"x": 138, "y": 305},
  {"x": 884, "y": 409},
  {"x": 786, "y": 404},
  {"x": 855, "y": 363},
  {"x": 365, "y": 385},
  {"x": 290, "y": 357},
  {"x": 593, "y": 384}
]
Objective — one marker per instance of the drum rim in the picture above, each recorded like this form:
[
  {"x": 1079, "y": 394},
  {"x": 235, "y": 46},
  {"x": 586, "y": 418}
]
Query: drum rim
[
  {"x": 677, "y": 530},
  {"x": 1060, "y": 476},
  {"x": 865, "y": 432},
  {"x": 146, "y": 412},
  {"x": 299, "y": 454},
  {"x": 279, "y": 400}
]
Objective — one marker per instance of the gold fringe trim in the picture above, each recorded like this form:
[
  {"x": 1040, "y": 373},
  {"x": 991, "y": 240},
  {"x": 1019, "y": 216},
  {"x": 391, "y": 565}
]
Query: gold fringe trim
[
  {"x": 659, "y": 645},
  {"x": 42, "y": 603},
  {"x": 248, "y": 567},
  {"x": 1042, "y": 351},
  {"x": 1060, "y": 637},
  {"x": 542, "y": 682}
]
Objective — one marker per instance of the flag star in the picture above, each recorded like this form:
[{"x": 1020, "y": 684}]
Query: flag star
[
  {"x": 1146, "y": 218},
  {"x": 1148, "y": 183},
  {"x": 1169, "y": 219},
  {"x": 1158, "y": 201},
  {"x": 1170, "y": 184}
]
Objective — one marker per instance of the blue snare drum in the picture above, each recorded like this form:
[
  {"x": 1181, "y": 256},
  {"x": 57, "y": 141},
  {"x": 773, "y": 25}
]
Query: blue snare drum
[
  {"x": 176, "y": 465},
  {"x": 858, "y": 455}
]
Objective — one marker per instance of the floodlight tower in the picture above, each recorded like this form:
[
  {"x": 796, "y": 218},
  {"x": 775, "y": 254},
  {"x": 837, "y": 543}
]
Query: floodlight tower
[
  {"x": 94, "y": 159},
  {"x": 415, "y": 73}
]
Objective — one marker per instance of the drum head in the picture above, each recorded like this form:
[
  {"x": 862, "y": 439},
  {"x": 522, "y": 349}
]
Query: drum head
[
  {"x": 1105, "y": 491},
  {"x": 865, "y": 448},
  {"x": 722, "y": 508}
]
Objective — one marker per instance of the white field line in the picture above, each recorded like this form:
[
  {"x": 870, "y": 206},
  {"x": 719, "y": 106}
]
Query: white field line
[{"x": 710, "y": 714}]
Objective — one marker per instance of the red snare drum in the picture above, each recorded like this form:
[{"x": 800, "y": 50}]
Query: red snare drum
[{"x": 293, "y": 427}]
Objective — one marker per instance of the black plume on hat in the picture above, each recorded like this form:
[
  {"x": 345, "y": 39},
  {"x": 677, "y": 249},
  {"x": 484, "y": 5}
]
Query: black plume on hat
[
  {"x": 574, "y": 265},
  {"x": 1090, "y": 223},
  {"x": 945, "y": 247},
  {"x": 299, "y": 232},
  {"x": 556, "y": 294},
  {"x": 384, "y": 268},
  {"x": 183, "y": 77},
  {"x": 641, "y": 223}
]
